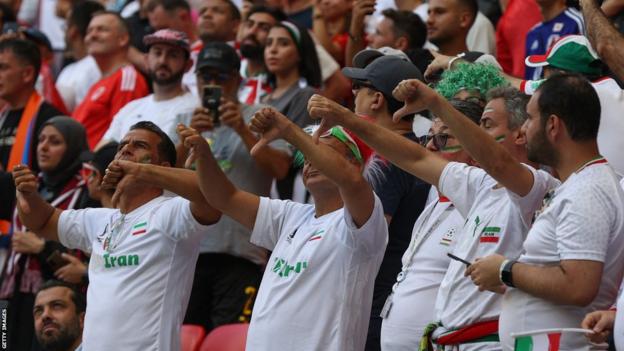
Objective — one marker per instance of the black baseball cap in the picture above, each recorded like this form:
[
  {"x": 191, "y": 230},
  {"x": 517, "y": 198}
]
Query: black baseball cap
[
  {"x": 218, "y": 55},
  {"x": 385, "y": 73}
]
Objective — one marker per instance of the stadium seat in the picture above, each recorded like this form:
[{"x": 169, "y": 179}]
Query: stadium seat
[
  {"x": 230, "y": 337},
  {"x": 191, "y": 337}
]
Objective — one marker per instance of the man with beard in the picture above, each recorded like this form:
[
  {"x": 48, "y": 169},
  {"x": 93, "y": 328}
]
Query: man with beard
[
  {"x": 59, "y": 312},
  {"x": 254, "y": 32},
  {"x": 168, "y": 58},
  {"x": 108, "y": 41}
]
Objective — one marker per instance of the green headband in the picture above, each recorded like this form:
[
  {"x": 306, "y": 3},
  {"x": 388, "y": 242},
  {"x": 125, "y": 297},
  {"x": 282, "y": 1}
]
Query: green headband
[{"x": 336, "y": 132}]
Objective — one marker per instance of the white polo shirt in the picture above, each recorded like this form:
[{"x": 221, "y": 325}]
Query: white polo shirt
[
  {"x": 140, "y": 272},
  {"x": 317, "y": 288},
  {"x": 582, "y": 220},
  {"x": 495, "y": 224}
]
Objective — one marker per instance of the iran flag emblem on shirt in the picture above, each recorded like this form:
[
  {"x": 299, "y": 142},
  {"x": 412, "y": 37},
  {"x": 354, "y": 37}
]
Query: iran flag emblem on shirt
[
  {"x": 140, "y": 228},
  {"x": 544, "y": 339}
]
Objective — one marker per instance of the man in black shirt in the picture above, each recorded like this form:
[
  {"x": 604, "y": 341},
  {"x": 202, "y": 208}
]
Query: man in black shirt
[{"x": 21, "y": 117}]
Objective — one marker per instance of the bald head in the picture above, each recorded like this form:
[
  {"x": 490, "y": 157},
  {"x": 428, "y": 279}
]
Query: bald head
[{"x": 107, "y": 34}]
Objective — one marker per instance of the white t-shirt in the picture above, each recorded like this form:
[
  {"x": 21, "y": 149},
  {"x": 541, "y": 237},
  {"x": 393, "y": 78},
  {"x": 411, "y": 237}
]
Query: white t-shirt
[
  {"x": 138, "y": 292},
  {"x": 317, "y": 288},
  {"x": 417, "y": 286},
  {"x": 495, "y": 223},
  {"x": 165, "y": 114},
  {"x": 75, "y": 80},
  {"x": 582, "y": 220}
]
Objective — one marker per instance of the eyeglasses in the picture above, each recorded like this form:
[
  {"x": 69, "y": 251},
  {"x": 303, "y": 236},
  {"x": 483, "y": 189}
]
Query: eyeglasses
[
  {"x": 358, "y": 84},
  {"x": 215, "y": 77},
  {"x": 439, "y": 140},
  {"x": 87, "y": 171}
]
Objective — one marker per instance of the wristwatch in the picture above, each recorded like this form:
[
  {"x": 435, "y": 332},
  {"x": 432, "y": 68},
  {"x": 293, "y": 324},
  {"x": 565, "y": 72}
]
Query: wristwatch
[{"x": 505, "y": 273}]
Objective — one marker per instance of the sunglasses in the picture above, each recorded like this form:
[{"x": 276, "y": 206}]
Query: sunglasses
[
  {"x": 439, "y": 141},
  {"x": 87, "y": 170},
  {"x": 358, "y": 84},
  {"x": 215, "y": 77}
]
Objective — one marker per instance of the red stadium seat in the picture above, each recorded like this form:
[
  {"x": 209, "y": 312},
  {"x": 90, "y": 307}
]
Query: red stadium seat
[
  {"x": 230, "y": 337},
  {"x": 191, "y": 337}
]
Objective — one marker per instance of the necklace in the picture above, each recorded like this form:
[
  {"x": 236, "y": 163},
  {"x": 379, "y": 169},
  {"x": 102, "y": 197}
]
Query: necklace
[{"x": 114, "y": 236}]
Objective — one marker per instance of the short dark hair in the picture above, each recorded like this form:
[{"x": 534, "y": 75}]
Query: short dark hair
[
  {"x": 81, "y": 14},
  {"x": 472, "y": 6},
  {"x": 407, "y": 24},
  {"x": 78, "y": 297},
  {"x": 309, "y": 67},
  {"x": 7, "y": 13},
  {"x": 25, "y": 51},
  {"x": 515, "y": 104},
  {"x": 572, "y": 98},
  {"x": 166, "y": 149},
  {"x": 120, "y": 20},
  {"x": 234, "y": 11},
  {"x": 470, "y": 109},
  {"x": 168, "y": 5},
  {"x": 277, "y": 14}
]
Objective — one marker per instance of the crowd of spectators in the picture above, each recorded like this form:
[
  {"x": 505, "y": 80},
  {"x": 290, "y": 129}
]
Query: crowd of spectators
[{"x": 338, "y": 174}]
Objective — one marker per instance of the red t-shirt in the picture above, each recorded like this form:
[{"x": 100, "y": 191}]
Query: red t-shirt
[
  {"x": 511, "y": 31},
  {"x": 106, "y": 98}
]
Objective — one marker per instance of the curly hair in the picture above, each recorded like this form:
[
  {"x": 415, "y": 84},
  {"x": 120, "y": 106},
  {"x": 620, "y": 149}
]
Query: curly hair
[{"x": 474, "y": 77}]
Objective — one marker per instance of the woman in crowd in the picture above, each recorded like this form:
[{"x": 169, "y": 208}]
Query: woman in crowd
[
  {"x": 33, "y": 260},
  {"x": 330, "y": 24},
  {"x": 294, "y": 75}
]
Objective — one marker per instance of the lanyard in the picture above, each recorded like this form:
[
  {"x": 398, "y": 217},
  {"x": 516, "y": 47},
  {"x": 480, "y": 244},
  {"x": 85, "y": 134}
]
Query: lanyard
[{"x": 420, "y": 237}]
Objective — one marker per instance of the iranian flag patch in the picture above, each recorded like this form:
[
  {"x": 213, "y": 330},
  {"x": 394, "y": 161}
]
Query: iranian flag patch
[
  {"x": 139, "y": 229},
  {"x": 490, "y": 235},
  {"x": 540, "y": 342}
]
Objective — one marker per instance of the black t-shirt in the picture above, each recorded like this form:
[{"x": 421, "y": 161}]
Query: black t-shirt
[
  {"x": 8, "y": 129},
  {"x": 403, "y": 197}
]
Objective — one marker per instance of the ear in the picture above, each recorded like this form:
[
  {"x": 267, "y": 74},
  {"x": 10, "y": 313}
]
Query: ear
[
  {"x": 124, "y": 39},
  {"x": 28, "y": 75},
  {"x": 189, "y": 65},
  {"x": 519, "y": 138},
  {"x": 401, "y": 43},
  {"x": 378, "y": 101},
  {"x": 465, "y": 19},
  {"x": 554, "y": 128},
  {"x": 81, "y": 317}
]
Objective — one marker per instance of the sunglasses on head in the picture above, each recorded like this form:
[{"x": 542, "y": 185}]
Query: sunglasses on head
[{"x": 87, "y": 170}]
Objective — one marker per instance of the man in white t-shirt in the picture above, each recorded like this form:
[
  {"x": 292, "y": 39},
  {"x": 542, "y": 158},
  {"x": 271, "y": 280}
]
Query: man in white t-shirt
[
  {"x": 317, "y": 287},
  {"x": 168, "y": 58},
  {"x": 572, "y": 258},
  {"x": 466, "y": 318},
  {"x": 142, "y": 253}
]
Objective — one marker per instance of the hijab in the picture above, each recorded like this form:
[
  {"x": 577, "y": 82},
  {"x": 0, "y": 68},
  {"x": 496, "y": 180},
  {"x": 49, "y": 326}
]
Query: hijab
[{"x": 75, "y": 138}]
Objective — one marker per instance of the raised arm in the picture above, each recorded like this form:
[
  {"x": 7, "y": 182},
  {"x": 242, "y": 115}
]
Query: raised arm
[
  {"x": 177, "y": 180},
  {"x": 494, "y": 158},
  {"x": 215, "y": 187},
  {"x": 399, "y": 150},
  {"x": 35, "y": 213},
  {"x": 604, "y": 37},
  {"x": 355, "y": 192}
]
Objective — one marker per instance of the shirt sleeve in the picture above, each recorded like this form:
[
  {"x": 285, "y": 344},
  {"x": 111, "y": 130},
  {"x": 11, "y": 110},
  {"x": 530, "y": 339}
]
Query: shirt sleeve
[
  {"x": 131, "y": 87},
  {"x": 77, "y": 229},
  {"x": 271, "y": 220},
  {"x": 461, "y": 184},
  {"x": 177, "y": 221},
  {"x": 531, "y": 202},
  {"x": 371, "y": 238},
  {"x": 584, "y": 227}
]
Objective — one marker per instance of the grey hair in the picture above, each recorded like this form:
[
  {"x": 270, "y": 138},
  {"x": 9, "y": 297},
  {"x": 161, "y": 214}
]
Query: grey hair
[{"x": 515, "y": 103}]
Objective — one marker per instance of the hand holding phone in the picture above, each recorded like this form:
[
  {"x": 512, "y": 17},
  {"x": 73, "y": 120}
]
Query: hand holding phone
[
  {"x": 211, "y": 99},
  {"x": 56, "y": 260}
]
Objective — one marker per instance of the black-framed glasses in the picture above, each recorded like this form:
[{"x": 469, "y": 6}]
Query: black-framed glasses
[
  {"x": 439, "y": 140},
  {"x": 220, "y": 77}
]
